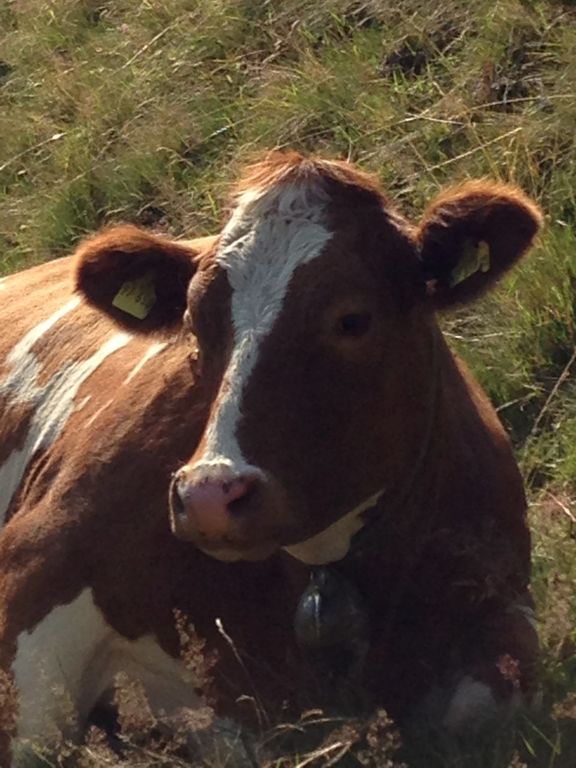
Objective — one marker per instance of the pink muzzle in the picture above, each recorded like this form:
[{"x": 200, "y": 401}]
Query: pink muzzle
[{"x": 205, "y": 507}]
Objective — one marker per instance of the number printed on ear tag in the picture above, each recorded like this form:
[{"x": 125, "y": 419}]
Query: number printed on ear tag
[{"x": 136, "y": 297}]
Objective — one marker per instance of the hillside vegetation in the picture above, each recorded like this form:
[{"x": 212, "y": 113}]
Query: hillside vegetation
[{"x": 143, "y": 111}]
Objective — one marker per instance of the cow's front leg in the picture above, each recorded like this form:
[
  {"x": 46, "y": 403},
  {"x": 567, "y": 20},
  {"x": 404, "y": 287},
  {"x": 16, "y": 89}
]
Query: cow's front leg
[
  {"x": 73, "y": 659},
  {"x": 57, "y": 670},
  {"x": 58, "y": 649},
  {"x": 499, "y": 674},
  {"x": 41, "y": 639}
]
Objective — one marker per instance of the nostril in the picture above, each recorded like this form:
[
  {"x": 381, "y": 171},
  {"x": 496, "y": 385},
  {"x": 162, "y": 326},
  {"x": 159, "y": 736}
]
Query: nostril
[
  {"x": 205, "y": 506},
  {"x": 238, "y": 493}
]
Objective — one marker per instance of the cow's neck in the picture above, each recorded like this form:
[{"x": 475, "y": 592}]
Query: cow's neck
[
  {"x": 334, "y": 610},
  {"x": 438, "y": 493},
  {"x": 393, "y": 505}
]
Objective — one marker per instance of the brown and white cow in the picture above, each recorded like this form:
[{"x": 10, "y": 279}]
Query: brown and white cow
[{"x": 202, "y": 427}]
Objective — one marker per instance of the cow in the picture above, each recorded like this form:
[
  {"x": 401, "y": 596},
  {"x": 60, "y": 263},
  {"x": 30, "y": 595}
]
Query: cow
[{"x": 266, "y": 432}]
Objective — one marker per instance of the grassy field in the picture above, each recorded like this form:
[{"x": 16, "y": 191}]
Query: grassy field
[{"x": 143, "y": 111}]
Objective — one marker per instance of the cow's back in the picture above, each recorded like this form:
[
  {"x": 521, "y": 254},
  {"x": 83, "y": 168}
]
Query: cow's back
[
  {"x": 93, "y": 421},
  {"x": 71, "y": 384}
]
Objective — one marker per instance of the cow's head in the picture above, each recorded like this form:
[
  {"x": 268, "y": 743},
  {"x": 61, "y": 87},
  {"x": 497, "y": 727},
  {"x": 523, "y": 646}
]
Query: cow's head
[{"x": 314, "y": 318}]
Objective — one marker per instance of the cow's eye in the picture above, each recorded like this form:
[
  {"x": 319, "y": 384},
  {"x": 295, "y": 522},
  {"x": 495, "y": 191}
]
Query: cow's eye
[{"x": 354, "y": 325}]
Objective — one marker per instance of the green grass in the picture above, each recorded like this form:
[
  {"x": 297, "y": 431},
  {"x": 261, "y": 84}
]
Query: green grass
[{"x": 144, "y": 112}]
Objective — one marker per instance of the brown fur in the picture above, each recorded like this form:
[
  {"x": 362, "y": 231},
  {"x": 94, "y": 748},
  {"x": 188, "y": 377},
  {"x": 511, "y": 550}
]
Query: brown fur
[
  {"x": 329, "y": 418},
  {"x": 285, "y": 167}
]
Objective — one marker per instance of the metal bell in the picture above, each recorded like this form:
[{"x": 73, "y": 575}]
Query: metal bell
[{"x": 331, "y": 617}]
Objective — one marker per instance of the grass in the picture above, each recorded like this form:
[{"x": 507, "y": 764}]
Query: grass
[{"x": 144, "y": 111}]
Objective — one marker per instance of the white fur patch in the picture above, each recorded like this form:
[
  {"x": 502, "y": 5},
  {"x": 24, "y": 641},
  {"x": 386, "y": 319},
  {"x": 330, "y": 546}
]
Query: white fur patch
[
  {"x": 471, "y": 705},
  {"x": 53, "y": 401},
  {"x": 83, "y": 403},
  {"x": 153, "y": 350},
  {"x": 98, "y": 412},
  {"x": 22, "y": 351},
  {"x": 267, "y": 239},
  {"x": 70, "y": 660},
  {"x": 333, "y": 543}
]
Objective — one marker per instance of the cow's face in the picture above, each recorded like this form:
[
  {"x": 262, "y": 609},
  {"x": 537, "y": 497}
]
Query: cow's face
[
  {"x": 315, "y": 340},
  {"x": 303, "y": 319}
]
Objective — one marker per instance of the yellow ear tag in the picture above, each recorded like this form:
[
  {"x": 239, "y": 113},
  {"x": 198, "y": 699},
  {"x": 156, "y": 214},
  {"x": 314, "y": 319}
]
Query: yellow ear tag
[
  {"x": 476, "y": 258},
  {"x": 136, "y": 297}
]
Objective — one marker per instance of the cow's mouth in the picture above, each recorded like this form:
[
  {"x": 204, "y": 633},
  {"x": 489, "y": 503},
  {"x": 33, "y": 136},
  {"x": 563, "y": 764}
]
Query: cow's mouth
[
  {"x": 229, "y": 552},
  {"x": 328, "y": 546},
  {"x": 230, "y": 545},
  {"x": 234, "y": 529}
]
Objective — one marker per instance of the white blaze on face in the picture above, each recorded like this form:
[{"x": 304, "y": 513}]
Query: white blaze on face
[
  {"x": 269, "y": 236},
  {"x": 53, "y": 402}
]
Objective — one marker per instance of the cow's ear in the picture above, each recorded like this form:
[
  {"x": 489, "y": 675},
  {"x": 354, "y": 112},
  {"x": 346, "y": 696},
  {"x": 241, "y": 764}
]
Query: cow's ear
[
  {"x": 470, "y": 235},
  {"x": 138, "y": 278}
]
